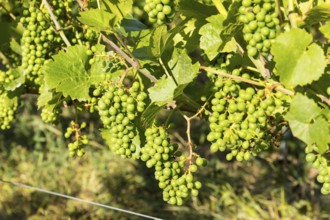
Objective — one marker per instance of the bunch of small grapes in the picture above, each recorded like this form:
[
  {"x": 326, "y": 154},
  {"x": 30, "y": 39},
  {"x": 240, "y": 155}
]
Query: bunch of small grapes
[
  {"x": 91, "y": 104},
  {"x": 76, "y": 148},
  {"x": 5, "y": 78},
  {"x": 77, "y": 33},
  {"x": 159, "y": 11},
  {"x": 36, "y": 41},
  {"x": 8, "y": 108},
  {"x": 118, "y": 108},
  {"x": 261, "y": 25},
  {"x": 176, "y": 181},
  {"x": 322, "y": 164},
  {"x": 50, "y": 114},
  {"x": 242, "y": 118},
  {"x": 12, "y": 60}
]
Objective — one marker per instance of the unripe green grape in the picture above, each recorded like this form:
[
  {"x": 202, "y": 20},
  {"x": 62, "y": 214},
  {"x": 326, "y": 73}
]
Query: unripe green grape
[{"x": 310, "y": 157}]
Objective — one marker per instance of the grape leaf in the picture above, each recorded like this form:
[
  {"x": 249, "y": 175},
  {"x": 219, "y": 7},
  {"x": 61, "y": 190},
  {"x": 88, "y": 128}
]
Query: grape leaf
[
  {"x": 150, "y": 113},
  {"x": 320, "y": 133},
  {"x": 19, "y": 79},
  {"x": 67, "y": 73},
  {"x": 231, "y": 26},
  {"x": 98, "y": 19},
  {"x": 9, "y": 31},
  {"x": 97, "y": 67},
  {"x": 189, "y": 8},
  {"x": 183, "y": 72},
  {"x": 15, "y": 46},
  {"x": 210, "y": 40},
  {"x": 185, "y": 35},
  {"x": 318, "y": 14},
  {"x": 158, "y": 40},
  {"x": 303, "y": 109},
  {"x": 307, "y": 123},
  {"x": 182, "y": 68},
  {"x": 45, "y": 96},
  {"x": 163, "y": 91},
  {"x": 118, "y": 8},
  {"x": 298, "y": 60},
  {"x": 139, "y": 41},
  {"x": 325, "y": 29},
  {"x": 132, "y": 25}
]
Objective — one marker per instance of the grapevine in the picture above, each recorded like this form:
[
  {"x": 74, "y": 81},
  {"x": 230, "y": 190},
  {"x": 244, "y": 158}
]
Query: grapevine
[{"x": 251, "y": 70}]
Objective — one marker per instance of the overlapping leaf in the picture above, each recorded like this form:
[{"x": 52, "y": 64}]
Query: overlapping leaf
[
  {"x": 98, "y": 19},
  {"x": 182, "y": 71},
  {"x": 210, "y": 40},
  {"x": 70, "y": 73},
  {"x": 307, "y": 123},
  {"x": 298, "y": 60}
]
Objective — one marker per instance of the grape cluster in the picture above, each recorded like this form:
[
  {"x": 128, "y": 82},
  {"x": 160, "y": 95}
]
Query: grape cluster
[
  {"x": 36, "y": 40},
  {"x": 158, "y": 152},
  {"x": 159, "y": 11},
  {"x": 76, "y": 148},
  {"x": 78, "y": 33},
  {"x": 50, "y": 114},
  {"x": 261, "y": 25},
  {"x": 322, "y": 164},
  {"x": 240, "y": 116},
  {"x": 118, "y": 108},
  {"x": 8, "y": 108},
  {"x": 5, "y": 78}
]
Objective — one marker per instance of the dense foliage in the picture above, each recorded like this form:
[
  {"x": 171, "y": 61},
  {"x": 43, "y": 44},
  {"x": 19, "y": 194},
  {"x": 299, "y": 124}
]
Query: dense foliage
[{"x": 253, "y": 69}]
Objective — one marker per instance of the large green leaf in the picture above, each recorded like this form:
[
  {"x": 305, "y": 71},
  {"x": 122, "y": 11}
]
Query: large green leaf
[
  {"x": 318, "y": 14},
  {"x": 189, "y": 8},
  {"x": 119, "y": 8},
  {"x": 97, "y": 67},
  {"x": 158, "y": 41},
  {"x": 182, "y": 71},
  {"x": 325, "y": 29},
  {"x": 320, "y": 133},
  {"x": 303, "y": 109},
  {"x": 298, "y": 60},
  {"x": 139, "y": 42},
  {"x": 67, "y": 73},
  {"x": 98, "y": 19},
  {"x": 9, "y": 31},
  {"x": 307, "y": 123},
  {"x": 210, "y": 40},
  {"x": 231, "y": 27},
  {"x": 132, "y": 25},
  {"x": 150, "y": 113}
]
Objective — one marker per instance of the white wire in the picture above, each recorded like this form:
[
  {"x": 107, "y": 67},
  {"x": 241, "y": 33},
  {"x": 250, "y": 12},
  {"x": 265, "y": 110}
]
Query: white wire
[{"x": 79, "y": 199}]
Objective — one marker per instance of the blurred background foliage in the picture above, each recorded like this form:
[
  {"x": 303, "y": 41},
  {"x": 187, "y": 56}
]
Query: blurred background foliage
[{"x": 277, "y": 185}]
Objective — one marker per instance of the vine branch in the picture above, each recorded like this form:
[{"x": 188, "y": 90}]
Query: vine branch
[
  {"x": 238, "y": 78},
  {"x": 218, "y": 4},
  {"x": 9, "y": 13},
  {"x": 292, "y": 14},
  {"x": 188, "y": 119},
  {"x": 57, "y": 25},
  {"x": 132, "y": 62},
  {"x": 324, "y": 99}
]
